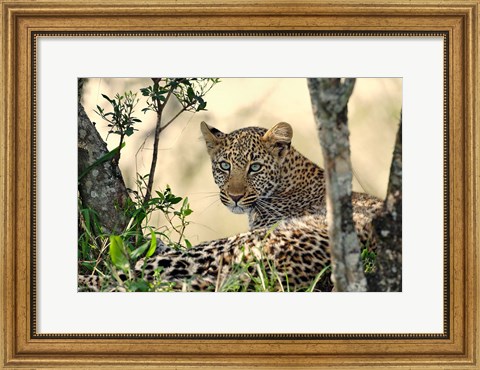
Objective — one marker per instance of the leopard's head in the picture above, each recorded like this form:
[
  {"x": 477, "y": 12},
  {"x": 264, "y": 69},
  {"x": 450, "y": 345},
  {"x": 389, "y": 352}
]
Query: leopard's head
[{"x": 247, "y": 163}]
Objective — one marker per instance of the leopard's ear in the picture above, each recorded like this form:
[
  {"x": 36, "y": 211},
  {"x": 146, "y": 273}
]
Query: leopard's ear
[
  {"x": 279, "y": 138},
  {"x": 212, "y": 136}
]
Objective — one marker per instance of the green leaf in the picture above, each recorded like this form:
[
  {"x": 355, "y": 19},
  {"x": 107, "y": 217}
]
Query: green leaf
[
  {"x": 135, "y": 254},
  {"x": 89, "y": 265},
  {"x": 139, "y": 286},
  {"x": 175, "y": 200},
  {"x": 201, "y": 106},
  {"x": 104, "y": 158},
  {"x": 139, "y": 214},
  {"x": 129, "y": 131},
  {"x": 190, "y": 93},
  {"x": 153, "y": 244},
  {"x": 187, "y": 212},
  {"x": 117, "y": 253},
  {"x": 107, "y": 98}
]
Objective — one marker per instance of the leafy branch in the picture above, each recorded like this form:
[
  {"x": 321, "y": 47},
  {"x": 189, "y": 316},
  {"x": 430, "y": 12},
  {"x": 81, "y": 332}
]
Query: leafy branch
[
  {"x": 121, "y": 120},
  {"x": 189, "y": 92}
]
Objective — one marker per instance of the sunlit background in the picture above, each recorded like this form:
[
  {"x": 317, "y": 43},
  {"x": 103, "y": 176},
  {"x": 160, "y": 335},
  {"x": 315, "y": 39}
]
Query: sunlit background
[{"x": 183, "y": 163}]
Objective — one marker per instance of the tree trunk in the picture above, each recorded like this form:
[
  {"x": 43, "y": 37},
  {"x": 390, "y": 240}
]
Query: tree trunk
[
  {"x": 329, "y": 101},
  {"x": 388, "y": 229},
  {"x": 101, "y": 188}
]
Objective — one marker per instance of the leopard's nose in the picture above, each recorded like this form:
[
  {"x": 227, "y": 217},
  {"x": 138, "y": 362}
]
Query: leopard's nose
[{"x": 236, "y": 197}]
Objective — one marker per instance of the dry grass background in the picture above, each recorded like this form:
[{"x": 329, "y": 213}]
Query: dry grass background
[{"x": 374, "y": 110}]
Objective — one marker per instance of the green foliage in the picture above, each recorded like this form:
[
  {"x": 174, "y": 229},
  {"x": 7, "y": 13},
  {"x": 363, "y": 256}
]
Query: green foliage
[
  {"x": 118, "y": 254},
  {"x": 190, "y": 93},
  {"x": 175, "y": 210},
  {"x": 120, "y": 120},
  {"x": 115, "y": 256},
  {"x": 368, "y": 258}
]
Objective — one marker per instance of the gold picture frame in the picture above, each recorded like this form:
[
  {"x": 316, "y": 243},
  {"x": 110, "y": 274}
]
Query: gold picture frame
[{"x": 458, "y": 347}]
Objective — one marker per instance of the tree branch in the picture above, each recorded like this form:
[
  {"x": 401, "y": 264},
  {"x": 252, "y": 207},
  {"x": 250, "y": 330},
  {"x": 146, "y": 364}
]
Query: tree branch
[
  {"x": 153, "y": 165},
  {"x": 329, "y": 101},
  {"x": 158, "y": 130}
]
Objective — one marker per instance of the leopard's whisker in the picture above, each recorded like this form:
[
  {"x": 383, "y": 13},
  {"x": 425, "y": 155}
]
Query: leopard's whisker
[
  {"x": 268, "y": 207},
  {"x": 217, "y": 200}
]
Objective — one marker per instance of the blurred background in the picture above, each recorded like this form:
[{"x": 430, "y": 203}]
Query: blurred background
[{"x": 183, "y": 162}]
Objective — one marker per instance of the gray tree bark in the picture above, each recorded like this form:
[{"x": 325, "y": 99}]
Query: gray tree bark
[
  {"x": 102, "y": 188},
  {"x": 329, "y": 98},
  {"x": 388, "y": 229}
]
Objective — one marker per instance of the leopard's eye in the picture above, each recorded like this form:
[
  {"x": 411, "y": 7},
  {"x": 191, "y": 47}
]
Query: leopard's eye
[
  {"x": 224, "y": 166},
  {"x": 255, "y": 167}
]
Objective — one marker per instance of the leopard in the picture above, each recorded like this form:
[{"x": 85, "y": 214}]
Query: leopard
[
  {"x": 283, "y": 193},
  {"x": 259, "y": 173}
]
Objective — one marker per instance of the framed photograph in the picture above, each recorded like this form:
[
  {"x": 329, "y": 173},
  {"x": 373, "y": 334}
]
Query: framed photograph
[{"x": 182, "y": 186}]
